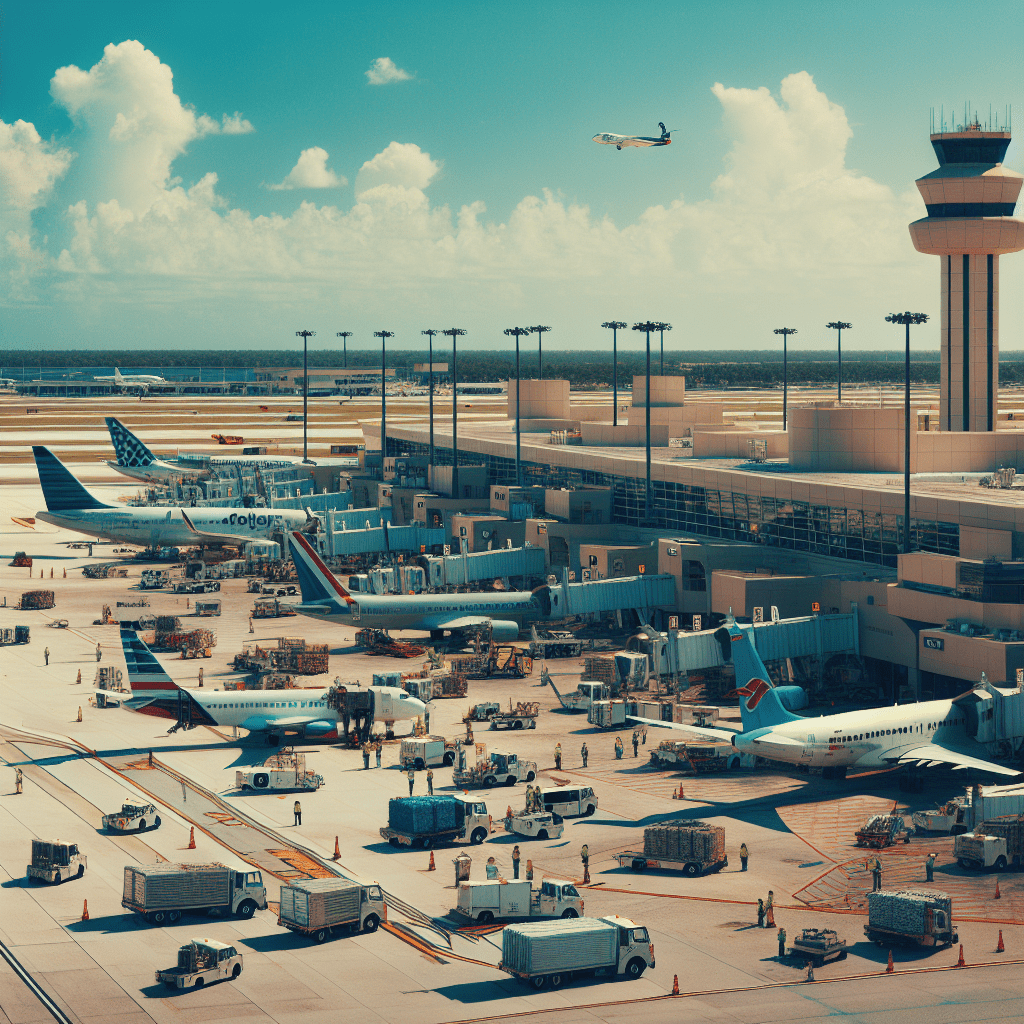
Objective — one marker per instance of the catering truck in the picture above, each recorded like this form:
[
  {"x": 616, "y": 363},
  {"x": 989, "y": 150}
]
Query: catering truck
[
  {"x": 553, "y": 952},
  {"x": 318, "y": 907},
  {"x": 910, "y": 917},
  {"x": 160, "y": 893},
  {"x": 432, "y": 820},
  {"x": 994, "y": 845},
  {"x": 692, "y": 847},
  {"x": 419, "y": 752},
  {"x": 200, "y": 962},
  {"x": 499, "y": 900}
]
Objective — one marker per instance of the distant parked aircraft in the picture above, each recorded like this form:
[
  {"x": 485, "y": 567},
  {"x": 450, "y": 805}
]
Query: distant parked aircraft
[
  {"x": 134, "y": 381},
  {"x": 618, "y": 141}
]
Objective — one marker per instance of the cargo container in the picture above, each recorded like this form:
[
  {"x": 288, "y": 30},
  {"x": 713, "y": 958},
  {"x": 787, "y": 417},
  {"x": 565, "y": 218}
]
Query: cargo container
[
  {"x": 692, "y": 847},
  {"x": 495, "y": 901},
  {"x": 995, "y": 845},
  {"x": 607, "y": 714},
  {"x": 421, "y": 752},
  {"x": 553, "y": 952},
  {"x": 429, "y": 820},
  {"x": 318, "y": 907},
  {"x": 160, "y": 893},
  {"x": 910, "y": 917}
]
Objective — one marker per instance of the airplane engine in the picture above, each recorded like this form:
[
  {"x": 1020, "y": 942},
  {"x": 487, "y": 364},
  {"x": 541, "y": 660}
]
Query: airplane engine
[
  {"x": 504, "y": 630},
  {"x": 320, "y": 728},
  {"x": 794, "y": 698}
]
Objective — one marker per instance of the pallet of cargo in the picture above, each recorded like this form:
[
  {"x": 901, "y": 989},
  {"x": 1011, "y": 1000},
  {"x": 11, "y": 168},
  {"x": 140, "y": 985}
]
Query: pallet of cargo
[
  {"x": 36, "y": 600},
  {"x": 691, "y": 847}
]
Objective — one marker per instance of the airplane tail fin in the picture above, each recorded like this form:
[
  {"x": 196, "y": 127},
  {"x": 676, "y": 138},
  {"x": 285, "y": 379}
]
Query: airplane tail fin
[
  {"x": 146, "y": 676},
  {"x": 316, "y": 581},
  {"x": 130, "y": 451},
  {"x": 61, "y": 491},
  {"x": 761, "y": 703}
]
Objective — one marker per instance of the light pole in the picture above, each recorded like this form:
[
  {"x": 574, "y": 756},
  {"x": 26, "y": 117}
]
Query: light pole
[
  {"x": 517, "y": 333},
  {"x": 907, "y": 319},
  {"x": 615, "y": 326},
  {"x": 305, "y": 336},
  {"x": 344, "y": 335},
  {"x": 383, "y": 335},
  {"x": 647, "y": 327},
  {"x": 455, "y": 333},
  {"x": 662, "y": 328},
  {"x": 430, "y": 334},
  {"x": 838, "y": 325},
  {"x": 539, "y": 331},
  {"x": 785, "y": 332}
]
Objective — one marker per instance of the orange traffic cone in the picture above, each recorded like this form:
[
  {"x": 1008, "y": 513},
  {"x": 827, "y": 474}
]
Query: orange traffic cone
[
  {"x": 1000, "y": 948},
  {"x": 890, "y": 966},
  {"x": 51, "y": 574},
  {"x": 960, "y": 962},
  {"x": 586, "y": 874},
  {"x": 78, "y": 681},
  {"x": 681, "y": 796},
  {"x": 65, "y": 574},
  {"x": 998, "y": 895},
  {"x": 675, "y": 984},
  {"x": 85, "y": 910},
  {"x": 431, "y": 866},
  {"x": 192, "y": 838},
  {"x": 79, "y": 712},
  {"x": 337, "y": 849}
]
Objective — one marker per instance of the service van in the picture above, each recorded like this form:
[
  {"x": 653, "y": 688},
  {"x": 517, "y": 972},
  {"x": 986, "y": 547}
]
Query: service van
[{"x": 569, "y": 801}]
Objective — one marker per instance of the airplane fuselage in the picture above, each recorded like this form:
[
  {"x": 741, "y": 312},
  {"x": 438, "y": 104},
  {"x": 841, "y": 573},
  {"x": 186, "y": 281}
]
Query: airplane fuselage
[{"x": 166, "y": 471}]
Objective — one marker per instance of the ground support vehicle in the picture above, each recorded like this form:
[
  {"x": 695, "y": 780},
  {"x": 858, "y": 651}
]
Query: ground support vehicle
[
  {"x": 318, "y": 907},
  {"x": 910, "y": 917},
  {"x": 202, "y": 962},
  {"x": 433, "y": 820},
  {"x": 693, "y": 847},
  {"x": 949, "y": 818},
  {"x": 55, "y": 861},
  {"x": 503, "y": 901},
  {"x": 132, "y": 818},
  {"x": 14, "y": 635},
  {"x": 523, "y": 717},
  {"x": 59, "y": 624},
  {"x": 160, "y": 893},
  {"x": 196, "y": 586},
  {"x": 270, "y": 608},
  {"x": 582, "y": 697},
  {"x": 546, "y": 644},
  {"x": 154, "y": 579},
  {"x": 535, "y": 826},
  {"x": 494, "y": 769},
  {"x": 284, "y": 771},
  {"x": 882, "y": 830},
  {"x": 419, "y": 752},
  {"x": 819, "y": 945},
  {"x": 995, "y": 844},
  {"x": 553, "y": 952},
  {"x": 979, "y": 803},
  {"x": 569, "y": 801},
  {"x": 482, "y": 712},
  {"x": 701, "y": 757}
]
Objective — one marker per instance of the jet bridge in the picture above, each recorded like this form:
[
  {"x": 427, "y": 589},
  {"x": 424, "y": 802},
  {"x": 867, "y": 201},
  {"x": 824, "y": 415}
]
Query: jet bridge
[{"x": 502, "y": 563}]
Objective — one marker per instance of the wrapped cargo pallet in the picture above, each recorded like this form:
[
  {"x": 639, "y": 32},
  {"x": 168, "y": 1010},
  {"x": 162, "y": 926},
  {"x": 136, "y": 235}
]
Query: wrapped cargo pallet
[
  {"x": 686, "y": 841},
  {"x": 35, "y": 599},
  {"x": 421, "y": 815},
  {"x": 551, "y": 947},
  {"x": 906, "y": 910}
]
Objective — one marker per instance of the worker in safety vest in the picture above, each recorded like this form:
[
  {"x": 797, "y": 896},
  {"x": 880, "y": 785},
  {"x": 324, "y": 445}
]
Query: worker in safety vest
[
  {"x": 430, "y": 781},
  {"x": 744, "y": 857},
  {"x": 584, "y": 753},
  {"x": 515, "y": 861},
  {"x": 298, "y": 812},
  {"x": 412, "y": 779},
  {"x": 558, "y": 756}
]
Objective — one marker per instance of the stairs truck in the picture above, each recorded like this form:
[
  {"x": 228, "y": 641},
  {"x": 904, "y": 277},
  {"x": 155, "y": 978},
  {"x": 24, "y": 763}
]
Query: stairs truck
[
  {"x": 550, "y": 953},
  {"x": 55, "y": 861},
  {"x": 161, "y": 893},
  {"x": 692, "y": 847},
  {"x": 427, "y": 821},
  {"x": 994, "y": 845},
  {"x": 502, "y": 901},
  {"x": 285, "y": 771},
  {"x": 318, "y": 907},
  {"x": 910, "y": 917},
  {"x": 200, "y": 962}
]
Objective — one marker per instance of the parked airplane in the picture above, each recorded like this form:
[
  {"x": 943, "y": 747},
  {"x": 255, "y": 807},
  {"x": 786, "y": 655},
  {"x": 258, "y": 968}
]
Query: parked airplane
[
  {"x": 135, "y": 460},
  {"x": 932, "y": 733},
  {"x": 618, "y": 141},
  {"x": 70, "y": 505},
  {"x": 135, "y": 381},
  {"x": 262, "y": 711}
]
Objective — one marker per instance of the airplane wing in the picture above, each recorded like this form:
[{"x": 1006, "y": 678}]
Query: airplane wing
[
  {"x": 257, "y": 723},
  {"x": 722, "y": 735},
  {"x": 931, "y": 754}
]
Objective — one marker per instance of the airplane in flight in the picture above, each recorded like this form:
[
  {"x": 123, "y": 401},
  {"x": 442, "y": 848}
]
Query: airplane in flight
[
  {"x": 618, "y": 141},
  {"x": 269, "y": 712},
  {"x": 135, "y": 460},
  {"x": 930, "y": 734},
  {"x": 135, "y": 381},
  {"x": 71, "y": 506}
]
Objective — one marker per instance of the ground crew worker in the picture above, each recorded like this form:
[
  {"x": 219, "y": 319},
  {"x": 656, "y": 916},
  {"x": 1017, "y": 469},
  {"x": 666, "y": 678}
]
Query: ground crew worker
[
  {"x": 760, "y": 913},
  {"x": 430, "y": 781},
  {"x": 412, "y": 779},
  {"x": 298, "y": 812},
  {"x": 378, "y": 747},
  {"x": 515, "y": 861},
  {"x": 929, "y": 866},
  {"x": 200, "y": 676},
  {"x": 876, "y": 875},
  {"x": 782, "y": 943},
  {"x": 492, "y": 869},
  {"x": 366, "y": 756},
  {"x": 744, "y": 855},
  {"x": 769, "y": 910},
  {"x": 558, "y": 756},
  {"x": 79, "y": 679},
  {"x": 18, "y": 783},
  {"x": 585, "y": 857},
  {"x": 584, "y": 753},
  {"x": 636, "y": 742},
  {"x": 251, "y": 630},
  {"x": 618, "y": 748},
  {"x": 643, "y": 735},
  {"x": 529, "y": 870},
  {"x": 99, "y": 653},
  {"x": 46, "y": 655}
]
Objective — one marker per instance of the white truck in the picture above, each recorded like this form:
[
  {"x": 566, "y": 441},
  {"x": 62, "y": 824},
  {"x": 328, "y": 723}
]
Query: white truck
[
  {"x": 607, "y": 714},
  {"x": 553, "y": 952},
  {"x": 284, "y": 771},
  {"x": 501, "y": 901},
  {"x": 201, "y": 962},
  {"x": 132, "y": 818},
  {"x": 427, "y": 821},
  {"x": 317, "y": 907},
  {"x": 160, "y": 893},
  {"x": 494, "y": 769},
  {"x": 537, "y": 825},
  {"x": 419, "y": 752},
  {"x": 55, "y": 861},
  {"x": 994, "y": 845}
]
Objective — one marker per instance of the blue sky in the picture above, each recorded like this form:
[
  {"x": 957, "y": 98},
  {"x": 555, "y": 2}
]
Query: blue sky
[{"x": 462, "y": 188}]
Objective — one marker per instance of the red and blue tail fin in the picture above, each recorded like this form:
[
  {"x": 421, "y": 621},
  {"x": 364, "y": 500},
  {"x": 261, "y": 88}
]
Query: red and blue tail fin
[{"x": 761, "y": 704}]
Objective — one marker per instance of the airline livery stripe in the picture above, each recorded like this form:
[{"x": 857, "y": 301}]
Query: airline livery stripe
[{"x": 328, "y": 575}]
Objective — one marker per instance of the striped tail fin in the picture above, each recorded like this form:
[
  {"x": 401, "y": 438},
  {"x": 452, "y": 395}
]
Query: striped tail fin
[
  {"x": 146, "y": 676},
  {"x": 61, "y": 491},
  {"x": 130, "y": 451},
  {"x": 316, "y": 581}
]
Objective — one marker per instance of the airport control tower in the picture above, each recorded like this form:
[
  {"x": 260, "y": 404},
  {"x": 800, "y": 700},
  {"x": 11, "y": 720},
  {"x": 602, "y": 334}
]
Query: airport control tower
[{"x": 970, "y": 224}]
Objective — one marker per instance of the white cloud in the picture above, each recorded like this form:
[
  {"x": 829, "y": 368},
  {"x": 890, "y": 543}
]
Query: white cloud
[
  {"x": 235, "y": 124},
  {"x": 28, "y": 166},
  {"x": 402, "y": 164},
  {"x": 311, "y": 171},
  {"x": 383, "y": 71}
]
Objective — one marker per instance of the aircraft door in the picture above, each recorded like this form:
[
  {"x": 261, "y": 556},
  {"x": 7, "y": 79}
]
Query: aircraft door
[
  {"x": 808, "y": 752},
  {"x": 354, "y": 607}
]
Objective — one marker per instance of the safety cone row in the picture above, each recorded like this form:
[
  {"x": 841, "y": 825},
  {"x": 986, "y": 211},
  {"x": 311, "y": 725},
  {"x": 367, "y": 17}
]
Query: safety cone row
[
  {"x": 678, "y": 794},
  {"x": 675, "y": 984},
  {"x": 192, "y": 838},
  {"x": 431, "y": 866},
  {"x": 1000, "y": 948},
  {"x": 337, "y": 849},
  {"x": 85, "y": 910},
  {"x": 890, "y": 966},
  {"x": 960, "y": 962}
]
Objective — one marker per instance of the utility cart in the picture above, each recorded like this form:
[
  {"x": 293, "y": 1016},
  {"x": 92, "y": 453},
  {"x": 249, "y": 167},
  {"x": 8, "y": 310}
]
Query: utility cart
[
  {"x": 132, "y": 818},
  {"x": 882, "y": 830},
  {"x": 201, "y": 962},
  {"x": 819, "y": 945},
  {"x": 523, "y": 717}
]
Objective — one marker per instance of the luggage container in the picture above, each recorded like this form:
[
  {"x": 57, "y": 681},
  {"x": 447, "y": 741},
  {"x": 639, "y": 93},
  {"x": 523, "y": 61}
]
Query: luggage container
[{"x": 318, "y": 907}]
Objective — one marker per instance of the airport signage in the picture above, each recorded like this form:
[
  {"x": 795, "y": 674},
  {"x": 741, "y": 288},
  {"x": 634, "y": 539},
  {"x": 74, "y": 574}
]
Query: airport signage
[
  {"x": 775, "y": 613},
  {"x": 673, "y": 623},
  {"x": 696, "y": 623},
  {"x": 935, "y": 643}
]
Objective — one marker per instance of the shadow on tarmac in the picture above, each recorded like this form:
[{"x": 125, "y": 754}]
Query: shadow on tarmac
[
  {"x": 105, "y": 925},
  {"x": 478, "y": 991},
  {"x": 278, "y": 943}
]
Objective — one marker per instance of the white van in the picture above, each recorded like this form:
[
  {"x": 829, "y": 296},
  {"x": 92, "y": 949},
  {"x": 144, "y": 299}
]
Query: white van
[{"x": 569, "y": 801}]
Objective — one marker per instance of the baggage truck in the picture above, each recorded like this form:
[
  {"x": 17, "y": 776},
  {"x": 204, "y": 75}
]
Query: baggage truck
[
  {"x": 553, "y": 952},
  {"x": 491, "y": 901},
  {"x": 910, "y": 917},
  {"x": 200, "y": 962},
  {"x": 693, "y": 847},
  {"x": 284, "y": 771},
  {"x": 995, "y": 844},
  {"x": 318, "y": 907},
  {"x": 431, "y": 820},
  {"x": 490, "y": 770},
  {"x": 160, "y": 893},
  {"x": 55, "y": 861},
  {"x": 607, "y": 714}
]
